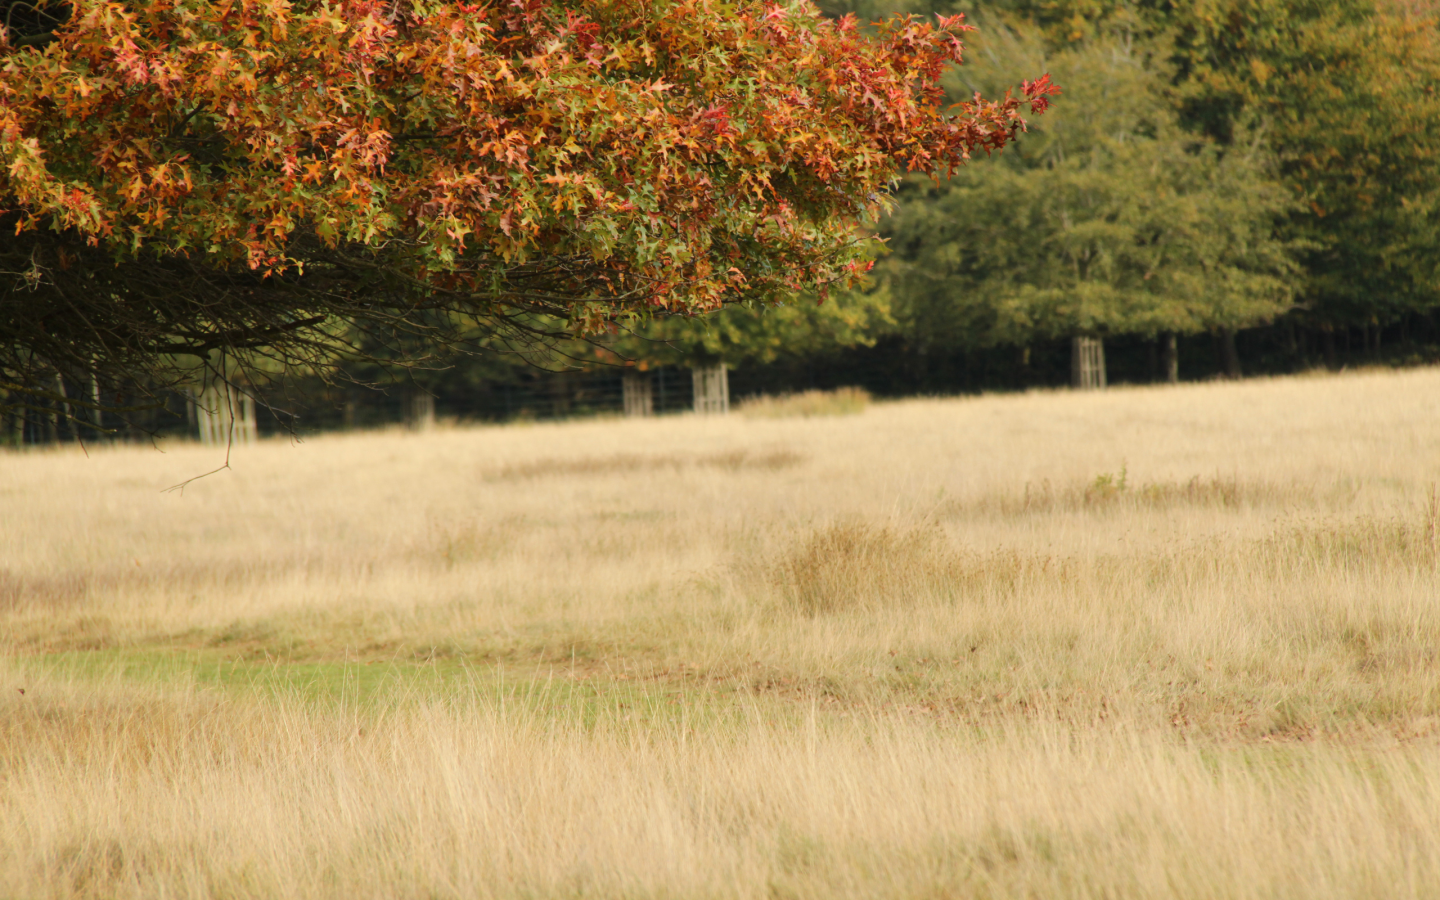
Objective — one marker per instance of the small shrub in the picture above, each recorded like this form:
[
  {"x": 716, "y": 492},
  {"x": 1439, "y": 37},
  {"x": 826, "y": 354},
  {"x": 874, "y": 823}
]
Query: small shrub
[{"x": 1107, "y": 487}]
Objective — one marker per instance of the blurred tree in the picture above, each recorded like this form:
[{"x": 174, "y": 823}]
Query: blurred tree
[
  {"x": 1343, "y": 96},
  {"x": 1110, "y": 223},
  {"x": 759, "y": 333},
  {"x": 1060, "y": 22},
  {"x": 1348, "y": 92}
]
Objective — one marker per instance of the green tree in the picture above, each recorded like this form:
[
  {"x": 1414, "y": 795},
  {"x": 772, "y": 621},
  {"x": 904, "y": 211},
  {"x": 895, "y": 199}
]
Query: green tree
[
  {"x": 1345, "y": 94},
  {"x": 1348, "y": 92},
  {"x": 760, "y": 333},
  {"x": 1101, "y": 224}
]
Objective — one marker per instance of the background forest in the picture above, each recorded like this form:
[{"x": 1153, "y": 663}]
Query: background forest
[
  {"x": 1225, "y": 187},
  {"x": 1254, "y": 175}
]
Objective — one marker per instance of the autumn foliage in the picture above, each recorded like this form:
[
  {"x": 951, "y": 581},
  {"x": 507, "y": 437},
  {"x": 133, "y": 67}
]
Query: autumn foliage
[{"x": 584, "y": 160}]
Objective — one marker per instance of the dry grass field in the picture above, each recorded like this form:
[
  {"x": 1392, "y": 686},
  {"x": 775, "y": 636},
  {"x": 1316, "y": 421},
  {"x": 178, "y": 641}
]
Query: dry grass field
[{"x": 1178, "y": 642}]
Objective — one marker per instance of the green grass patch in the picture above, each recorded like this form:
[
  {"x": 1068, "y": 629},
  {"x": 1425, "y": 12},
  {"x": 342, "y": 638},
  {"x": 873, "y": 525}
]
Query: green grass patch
[{"x": 549, "y": 691}]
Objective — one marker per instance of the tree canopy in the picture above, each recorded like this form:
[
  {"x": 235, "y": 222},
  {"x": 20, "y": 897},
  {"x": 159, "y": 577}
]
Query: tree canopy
[
  {"x": 181, "y": 177},
  {"x": 1348, "y": 92},
  {"x": 759, "y": 333},
  {"x": 1113, "y": 223},
  {"x": 1343, "y": 95}
]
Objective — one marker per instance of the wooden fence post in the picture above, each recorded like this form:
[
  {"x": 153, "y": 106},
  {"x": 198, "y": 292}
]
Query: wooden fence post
[{"x": 712, "y": 389}]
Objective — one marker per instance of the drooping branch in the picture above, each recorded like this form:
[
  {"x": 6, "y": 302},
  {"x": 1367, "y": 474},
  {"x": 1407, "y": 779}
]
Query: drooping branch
[{"x": 313, "y": 179}]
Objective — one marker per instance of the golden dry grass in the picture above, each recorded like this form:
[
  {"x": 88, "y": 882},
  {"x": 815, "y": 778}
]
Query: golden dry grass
[
  {"x": 1147, "y": 643},
  {"x": 839, "y": 402}
]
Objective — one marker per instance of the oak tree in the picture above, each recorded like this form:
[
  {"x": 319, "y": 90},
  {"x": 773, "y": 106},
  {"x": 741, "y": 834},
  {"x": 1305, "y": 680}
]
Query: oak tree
[{"x": 183, "y": 178}]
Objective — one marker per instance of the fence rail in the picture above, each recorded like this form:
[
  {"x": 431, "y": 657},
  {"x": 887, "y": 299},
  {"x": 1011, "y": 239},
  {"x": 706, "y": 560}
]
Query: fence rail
[{"x": 223, "y": 415}]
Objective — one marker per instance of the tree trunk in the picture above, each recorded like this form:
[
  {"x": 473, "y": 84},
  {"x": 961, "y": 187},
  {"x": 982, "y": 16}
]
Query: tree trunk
[
  {"x": 95, "y": 413},
  {"x": 1229, "y": 355},
  {"x": 1170, "y": 356},
  {"x": 1327, "y": 344},
  {"x": 65, "y": 405},
  {"x": 1087, "y": 363}
]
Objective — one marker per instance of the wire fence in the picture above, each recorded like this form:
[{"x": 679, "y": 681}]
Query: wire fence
[{"x": 893, "y": 367}]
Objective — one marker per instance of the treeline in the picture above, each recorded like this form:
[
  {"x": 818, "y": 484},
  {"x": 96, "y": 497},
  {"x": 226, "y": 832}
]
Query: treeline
[
  {"x": 1213, "y": 167},
  {"x": 1224, "y": 187}
]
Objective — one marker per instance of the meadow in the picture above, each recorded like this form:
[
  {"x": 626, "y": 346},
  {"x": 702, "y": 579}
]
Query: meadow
[{"x": 1149, "y": 642}]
